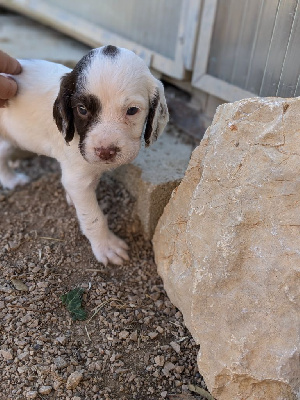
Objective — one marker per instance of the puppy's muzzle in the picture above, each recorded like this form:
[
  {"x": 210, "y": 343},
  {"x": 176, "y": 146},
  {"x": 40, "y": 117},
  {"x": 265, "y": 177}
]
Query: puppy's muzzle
[{"x": 107, "y": 153}]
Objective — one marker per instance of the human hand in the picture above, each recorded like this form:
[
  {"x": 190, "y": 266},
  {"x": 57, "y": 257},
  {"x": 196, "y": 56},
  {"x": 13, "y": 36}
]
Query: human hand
[{"x": 8, "y": 87}]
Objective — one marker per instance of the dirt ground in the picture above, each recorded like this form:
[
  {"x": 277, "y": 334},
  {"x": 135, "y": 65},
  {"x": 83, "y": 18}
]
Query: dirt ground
[{"x": 136, "y": 345}]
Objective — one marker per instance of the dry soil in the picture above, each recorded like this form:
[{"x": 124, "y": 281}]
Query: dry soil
[{"x": 136, "y": 345}]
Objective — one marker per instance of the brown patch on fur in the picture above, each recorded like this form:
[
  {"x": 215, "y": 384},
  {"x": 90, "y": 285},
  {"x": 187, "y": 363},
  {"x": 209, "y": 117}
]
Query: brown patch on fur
[
  {"x": 150, "y": 130},
  {"x": 110, "y": 51}
]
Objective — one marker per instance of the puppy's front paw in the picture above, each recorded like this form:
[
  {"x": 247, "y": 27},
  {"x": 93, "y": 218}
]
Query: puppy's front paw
[
  {"x": 111, "y": 249},
  {"x": 10, "y": 181}
]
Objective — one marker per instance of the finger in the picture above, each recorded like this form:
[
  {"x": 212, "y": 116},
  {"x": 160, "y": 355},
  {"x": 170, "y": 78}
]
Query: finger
[
  {"x": 8, "y": 88},
  {"x": 9, "y": 65}
]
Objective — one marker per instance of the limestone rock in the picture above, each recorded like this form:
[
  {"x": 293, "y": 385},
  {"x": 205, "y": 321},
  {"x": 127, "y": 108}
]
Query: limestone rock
[{"x": 228, "y": 249}]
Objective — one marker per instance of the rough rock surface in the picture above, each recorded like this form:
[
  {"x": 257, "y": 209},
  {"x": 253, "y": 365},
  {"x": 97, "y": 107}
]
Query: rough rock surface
[{"x": 228, "y": 250}]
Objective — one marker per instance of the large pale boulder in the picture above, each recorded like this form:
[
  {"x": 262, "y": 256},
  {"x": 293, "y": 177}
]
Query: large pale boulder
[{"x": 228, "y": 250}]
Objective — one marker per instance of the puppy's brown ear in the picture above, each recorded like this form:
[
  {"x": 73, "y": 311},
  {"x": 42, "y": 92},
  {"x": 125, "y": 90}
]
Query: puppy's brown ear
[
  {"x": 158, "y": 115},
  {"x": 62, "y": 107}
]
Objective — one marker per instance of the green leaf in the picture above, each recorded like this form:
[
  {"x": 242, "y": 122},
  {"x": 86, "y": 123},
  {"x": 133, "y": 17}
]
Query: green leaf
[
  {"x": 201, "y": 391},
  {"x": 72, "y": 300}
]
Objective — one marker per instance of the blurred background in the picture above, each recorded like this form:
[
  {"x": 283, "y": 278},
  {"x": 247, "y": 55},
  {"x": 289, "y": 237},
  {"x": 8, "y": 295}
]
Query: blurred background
[{"x": 206, "y": 51}]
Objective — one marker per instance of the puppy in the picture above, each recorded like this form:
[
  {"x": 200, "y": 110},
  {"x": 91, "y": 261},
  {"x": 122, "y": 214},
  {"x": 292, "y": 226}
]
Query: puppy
[{"x": 91, "y": 119}]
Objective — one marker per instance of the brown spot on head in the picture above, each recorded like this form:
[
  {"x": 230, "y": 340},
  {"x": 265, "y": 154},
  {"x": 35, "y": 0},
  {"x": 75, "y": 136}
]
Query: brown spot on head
[{"x": 110, "y": 51}]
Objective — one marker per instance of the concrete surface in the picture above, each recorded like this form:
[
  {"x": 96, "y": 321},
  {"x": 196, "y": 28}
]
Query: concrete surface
[
  {"x": 23, "y": 38},
  {"x": 154, "y": 174}
]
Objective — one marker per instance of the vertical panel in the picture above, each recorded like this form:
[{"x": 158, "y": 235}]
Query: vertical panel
[
  {"x": 260, "y": 47},
  {"x": 219, "y": 31},
  {"x": 225, "y": 38},
  {"x": 277, "y": 49},
  {"x": 153, "y": 24},
  {"x": 208, "y": 16},
  {"x": 255, "y": 46},
  {"x": 297, "y": 90},
  {"x": 291, "y": 65},
  {"x": 247, "y": 36},
  {"x": 190, "y": 11}
]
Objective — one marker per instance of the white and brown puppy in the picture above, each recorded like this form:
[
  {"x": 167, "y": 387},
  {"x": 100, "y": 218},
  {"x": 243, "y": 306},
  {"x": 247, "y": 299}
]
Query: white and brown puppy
[{"x": 91, "y": 119}]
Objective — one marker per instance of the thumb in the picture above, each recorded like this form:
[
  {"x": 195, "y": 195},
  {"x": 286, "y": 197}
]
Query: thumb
[
  {"x": 8, "y": 87},
  {"x": 9, "y": 65}
]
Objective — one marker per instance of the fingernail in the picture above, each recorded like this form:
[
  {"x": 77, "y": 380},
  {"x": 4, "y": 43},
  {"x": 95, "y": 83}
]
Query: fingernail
[
  {"x": 13, "y": 84},
  {"x": 18, "y": 69}
]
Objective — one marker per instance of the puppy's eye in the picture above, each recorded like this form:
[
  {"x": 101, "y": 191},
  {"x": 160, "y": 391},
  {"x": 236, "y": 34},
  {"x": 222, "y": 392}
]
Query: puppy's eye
[
  {"x": 132, "y": 111},
  {"x": 82, "y": 110}
]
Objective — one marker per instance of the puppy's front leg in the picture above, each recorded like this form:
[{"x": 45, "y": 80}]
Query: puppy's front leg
[{"x": 106, "y": 246}]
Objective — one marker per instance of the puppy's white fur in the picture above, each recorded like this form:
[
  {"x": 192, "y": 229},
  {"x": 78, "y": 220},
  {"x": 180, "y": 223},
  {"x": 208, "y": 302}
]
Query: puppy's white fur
[{"x": 106, "y": 136}]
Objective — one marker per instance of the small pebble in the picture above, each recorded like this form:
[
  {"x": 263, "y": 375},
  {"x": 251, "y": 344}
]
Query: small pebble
[
  {"x": 19, "y": 285},
  {"x": 22, "y": 370},
  {"x": 123, "y": 335},
  {"x": 61, "y": 339},
  {"x": 43, "y": 390},
  {"x": 134, "y": 336},
  {"x": 60, "y": 362},
  {"x": 56, "y": 384},
  {"x": 159, "y": 360},
  {"x": 153, "y": 335},
  {"x": 175, "y": 346},
  {"x": 6, "y": 354},
  {"x": 179, "y": 369},
  {"x": 168, "y": 367},
  {"x": 74, "y": 379},
  {"x": 32, "y": 394}
]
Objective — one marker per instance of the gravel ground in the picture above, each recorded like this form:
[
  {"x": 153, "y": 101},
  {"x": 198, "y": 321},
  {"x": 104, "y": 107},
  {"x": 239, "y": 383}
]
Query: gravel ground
[{"x": 135, "y": 347}]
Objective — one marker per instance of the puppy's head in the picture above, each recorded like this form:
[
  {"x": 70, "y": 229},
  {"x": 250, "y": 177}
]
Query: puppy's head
[{"x": 110, "y": 100}]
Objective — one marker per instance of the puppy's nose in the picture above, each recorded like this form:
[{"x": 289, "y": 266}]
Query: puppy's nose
[{"x": 106, "y": 153}]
